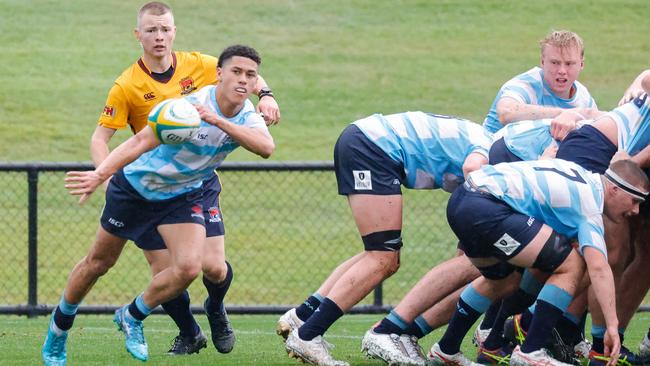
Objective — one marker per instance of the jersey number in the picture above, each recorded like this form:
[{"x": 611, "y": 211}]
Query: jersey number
[{"x": 576, "y": 177}]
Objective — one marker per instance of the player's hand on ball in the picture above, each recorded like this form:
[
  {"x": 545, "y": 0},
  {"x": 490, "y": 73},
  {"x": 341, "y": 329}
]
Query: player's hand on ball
[{"x": 208, "y": 116}]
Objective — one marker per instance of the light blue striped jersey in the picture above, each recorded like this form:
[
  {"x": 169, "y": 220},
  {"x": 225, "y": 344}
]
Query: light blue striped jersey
[
  {"x": 530, "y": 88},
  {"x": 562, "y": 194},
  {"x": 432, "y": 148},
  {"x": 528, "y": 139},
  {"x": 633, "y": 122},
  {"x": 171, "y": 170}
]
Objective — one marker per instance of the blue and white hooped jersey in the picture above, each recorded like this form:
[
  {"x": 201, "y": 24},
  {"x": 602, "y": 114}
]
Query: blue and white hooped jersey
[
  {"x": 633, "y": 122},
  {"x": 528, "y": 139},
  {"x": 530, "y": 88},
  {"x": 562, "y": 194},
  {"x": 431, "y": 147},
  {"x": 171, "y": 170}
]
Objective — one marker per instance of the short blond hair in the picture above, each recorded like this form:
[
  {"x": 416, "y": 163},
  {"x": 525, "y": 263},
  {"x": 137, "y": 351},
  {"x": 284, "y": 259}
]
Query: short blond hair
[
  {"x": 154, "y": 8},
  {"x": 563, "y": 39}
]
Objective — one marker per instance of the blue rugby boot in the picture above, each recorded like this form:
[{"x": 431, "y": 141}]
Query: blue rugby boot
[
  {"x": 53, "y": 351},
  {"x": 134, "y": 332}
]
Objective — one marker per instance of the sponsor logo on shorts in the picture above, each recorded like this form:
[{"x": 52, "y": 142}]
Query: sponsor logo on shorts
[
  {"x": 214, "y": 214},
  {"x": 115, "y": 223},
  {"x": 396, "y": 181},
  {"x": 530, "y": 221},
  {"x": 362, "y": 180},
  {"x": 197, "y": 212},
  {"x": 507, "y": 244}
]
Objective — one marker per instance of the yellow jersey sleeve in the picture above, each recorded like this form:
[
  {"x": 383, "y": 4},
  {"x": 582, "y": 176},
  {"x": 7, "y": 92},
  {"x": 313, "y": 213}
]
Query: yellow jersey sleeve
[{"x": 116, "y": 109}]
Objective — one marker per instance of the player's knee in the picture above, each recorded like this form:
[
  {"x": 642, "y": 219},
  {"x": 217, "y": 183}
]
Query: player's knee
[
  {"x": 554, "y": 252},
  {"x": 383, "y": 241},
  {"x": 187, "y": 271},
  {"x": 215, "y": 270},
  {"x": 98, "y": 266}
]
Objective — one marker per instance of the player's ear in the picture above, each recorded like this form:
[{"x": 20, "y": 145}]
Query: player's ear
[{"x": 219, "y": 70}]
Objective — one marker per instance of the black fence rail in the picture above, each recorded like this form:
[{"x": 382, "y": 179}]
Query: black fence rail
[{"x": 286, "y": 230}]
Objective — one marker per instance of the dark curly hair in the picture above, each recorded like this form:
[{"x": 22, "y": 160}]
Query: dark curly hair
[{"x": 239, "y": 50}]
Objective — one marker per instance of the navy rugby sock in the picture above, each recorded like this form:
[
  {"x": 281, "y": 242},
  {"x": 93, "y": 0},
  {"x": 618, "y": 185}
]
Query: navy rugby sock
[
  {"x": 317, "y": 324},
  {"x": 419, "y": 327},
  {"x": 178, "y": 309},
  {"x": 308, "y": 307},
  {"x": 490, "y": 315},
  {"x": 391, "y": 324},
  {"x": 217, "y": 292},
  {"x": 64, "y": 314},
  {"x": 469, "y": 308}
]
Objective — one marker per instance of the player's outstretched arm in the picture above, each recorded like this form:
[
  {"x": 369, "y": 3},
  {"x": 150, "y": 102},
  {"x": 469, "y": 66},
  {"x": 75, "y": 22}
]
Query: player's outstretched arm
[
  {"x": 85, "y": 183},
  {"x": 640, "y": 85},
  {"x": 267, "y": 105},
  {"x": 255, "y": 140},
  {"x": 99, "y": 144},
  {"x": 602, "y": 280},
  {"x": 510, "y": 110}
]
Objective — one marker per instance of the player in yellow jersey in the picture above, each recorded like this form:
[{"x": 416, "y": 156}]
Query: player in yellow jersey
[{"x": 159, "y": 74}]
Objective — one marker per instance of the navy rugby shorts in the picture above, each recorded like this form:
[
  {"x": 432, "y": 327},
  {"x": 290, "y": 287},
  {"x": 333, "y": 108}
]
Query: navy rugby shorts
[
  {"x": 489, "y": 228},
  {"x": 499, "y": 153},
  {"x": 588, "y": 148},
  {"x": 129, "y": 215},
  {"x": 362, "y": 167}
]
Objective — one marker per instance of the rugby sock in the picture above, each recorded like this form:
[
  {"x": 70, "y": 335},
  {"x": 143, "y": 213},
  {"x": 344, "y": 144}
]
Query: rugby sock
[
  {"x": 526, "y": 318},
  {"x": 469, "y": 308},
  {"x": 64, "y": 315},
  {"x": 317, "y": 324},
  {"x": 419, "y": 327},
  {"x": 513, "y": 304},
  {"x": 597, "y": 338},
  {"x": 217, "y": 291},
  {"x": 392, "y": 324},
  {"x": 568, "y": 327},
  {"x": 178, "y": 309},
  {"x": 552, "y": 302},
  {"x": 490, "y": 316},
  {"x": 308, "y": 307},
  {"x": 138, "y": 310}
]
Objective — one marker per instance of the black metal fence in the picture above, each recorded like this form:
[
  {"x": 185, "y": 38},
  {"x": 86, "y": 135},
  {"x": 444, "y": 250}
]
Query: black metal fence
[{"x": 286, "y": 230}]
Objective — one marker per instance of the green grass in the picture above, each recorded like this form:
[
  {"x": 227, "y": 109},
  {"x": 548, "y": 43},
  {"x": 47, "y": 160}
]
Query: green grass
[
  {"x": 95, "y": 341},
  {"x": 329, "y": 62}
]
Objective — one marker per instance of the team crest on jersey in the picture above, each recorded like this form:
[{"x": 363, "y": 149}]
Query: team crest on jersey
[
  {"x": 109, "y": 111},
  {"x": 187, "y": 85},
  {"x": 214, "y": 214},
  {"x": 362, "y": 180}
]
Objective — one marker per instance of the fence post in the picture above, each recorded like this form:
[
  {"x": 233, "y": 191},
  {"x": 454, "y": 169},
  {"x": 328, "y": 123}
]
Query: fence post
[
  {"x": 32, "y": 256},
  {"x": 379, "y": 295}
]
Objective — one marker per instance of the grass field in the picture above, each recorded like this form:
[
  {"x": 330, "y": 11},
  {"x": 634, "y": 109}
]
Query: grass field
[
  {"x": 95, "y": 341},
  {"x": 329, "y": 62}
]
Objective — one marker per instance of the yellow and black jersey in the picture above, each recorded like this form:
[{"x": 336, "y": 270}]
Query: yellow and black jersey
[{"x": 136, "y": 91}]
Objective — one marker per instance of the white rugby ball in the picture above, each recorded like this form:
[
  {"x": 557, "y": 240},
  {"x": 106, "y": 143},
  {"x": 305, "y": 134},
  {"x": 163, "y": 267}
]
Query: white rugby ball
[{"x": 174, "y": 121}]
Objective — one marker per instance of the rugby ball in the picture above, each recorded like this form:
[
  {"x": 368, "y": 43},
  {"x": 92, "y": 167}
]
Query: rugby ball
[{"x": 174, "y": 121}]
